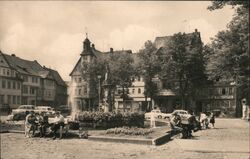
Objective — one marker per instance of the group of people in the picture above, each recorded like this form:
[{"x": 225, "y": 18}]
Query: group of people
[
  {"x": 35, "y": 121},
  {"x": 190, "y": 123}
]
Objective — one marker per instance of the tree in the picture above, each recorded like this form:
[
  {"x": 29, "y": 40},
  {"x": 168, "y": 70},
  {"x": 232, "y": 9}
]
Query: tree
[
  {"x": 149, "y": 66},
  {"x": 185, "y": 65},
  {"x": 229, "y": 50},
  {"x": 120, "y": 68}
]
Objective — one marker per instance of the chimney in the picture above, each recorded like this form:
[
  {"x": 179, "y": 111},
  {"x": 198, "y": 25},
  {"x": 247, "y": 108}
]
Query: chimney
[
  {"x": 111, "y": 50},
  {"x": 13, "y": 55},
  {"x": 93, "y": 46},
  {"x": 196, "y": 30}
]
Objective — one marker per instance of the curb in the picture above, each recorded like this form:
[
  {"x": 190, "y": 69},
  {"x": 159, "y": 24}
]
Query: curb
[
  {"x": 156, "y": 141},
  {"x": 121, "y": 140}
]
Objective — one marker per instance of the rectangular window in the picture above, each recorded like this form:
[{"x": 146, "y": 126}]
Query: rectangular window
[
  {"x": 9, "y": 85},
  {"x": 80, "y": 80},
  {"x": 8, "y": 72},
  {"x": 18, "y": 100},
  {"x": 18, "y": 85},
  {"x": 79, "y": 91},
  {"x": 25, "y": 89},
  {"x": 4, "y": 71},
  {"x": 32, "y": 90},
  {"x": 230, "y": 91},
  {"x": 3, "y": 84},
  {"x": 9, "y": 99},
  {"x": 14, "y": 85},
  {"x": 25, "y": 78},
  {"x": 14, "y": 99},
  {"x": 1, "y": 99}
]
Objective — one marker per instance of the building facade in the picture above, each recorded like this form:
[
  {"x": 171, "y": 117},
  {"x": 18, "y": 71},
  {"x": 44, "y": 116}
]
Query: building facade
[{"x": 27, "y": 82}]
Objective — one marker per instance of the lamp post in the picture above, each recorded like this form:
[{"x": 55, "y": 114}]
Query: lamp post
[{"x": 99, "y": 91}]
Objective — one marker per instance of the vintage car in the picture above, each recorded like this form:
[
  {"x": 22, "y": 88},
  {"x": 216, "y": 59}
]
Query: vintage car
[
  {"x": 23, "y": 109},
  {"x": 182, "y": 113},
  {"x": 156, "y": 113},
  {"x": 45, "y": 109}
]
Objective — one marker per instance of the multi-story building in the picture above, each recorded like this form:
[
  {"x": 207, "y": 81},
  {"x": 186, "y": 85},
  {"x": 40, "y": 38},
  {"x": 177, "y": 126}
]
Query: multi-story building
[
  {"x": 82, "y": 92},
  {"x": 27, "y": 82},
  {"x": 10, "y": 84}
]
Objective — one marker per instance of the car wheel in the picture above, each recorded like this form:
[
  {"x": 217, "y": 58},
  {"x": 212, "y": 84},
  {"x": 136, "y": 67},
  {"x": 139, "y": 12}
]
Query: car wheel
[{"x": 159, "y": 116}]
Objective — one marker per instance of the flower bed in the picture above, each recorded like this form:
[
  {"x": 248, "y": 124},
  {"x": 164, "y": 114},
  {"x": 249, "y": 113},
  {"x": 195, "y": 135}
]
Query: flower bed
[
  {"x": 110, "y": 119},
  {"x": 129, "y": 131}
]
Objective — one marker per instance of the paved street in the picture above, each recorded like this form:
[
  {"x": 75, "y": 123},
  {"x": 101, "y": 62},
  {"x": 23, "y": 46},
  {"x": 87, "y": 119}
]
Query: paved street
[{"x": 229, "y": 140}]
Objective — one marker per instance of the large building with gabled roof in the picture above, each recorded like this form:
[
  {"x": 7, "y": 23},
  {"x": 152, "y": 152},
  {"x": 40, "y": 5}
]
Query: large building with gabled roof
[{"x": 27, "y": 82}]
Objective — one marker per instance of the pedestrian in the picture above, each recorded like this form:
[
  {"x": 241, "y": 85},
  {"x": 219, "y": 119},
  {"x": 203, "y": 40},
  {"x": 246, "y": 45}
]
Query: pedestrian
[
  {"x": 203, "y": 120},
  {"x": 43, "y": 124},
  {"x": 175, "y": 122},
  {"x": 57, "y": 123},
  {"x": 244, "y": 109},
  {"x": 30, "y": 124},
  {"x": 212, "y": 119}
]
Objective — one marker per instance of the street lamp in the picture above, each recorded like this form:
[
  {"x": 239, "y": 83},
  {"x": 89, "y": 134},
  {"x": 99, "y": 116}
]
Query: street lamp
[{"x": 99, "y": 91}]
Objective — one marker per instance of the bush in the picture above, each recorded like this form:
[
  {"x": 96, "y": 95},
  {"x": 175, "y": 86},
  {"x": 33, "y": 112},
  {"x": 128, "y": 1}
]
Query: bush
[
  {"x": 129, "y": 131},
  {"x": 111, "y": 119}
]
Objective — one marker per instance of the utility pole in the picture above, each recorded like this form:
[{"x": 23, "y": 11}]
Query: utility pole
[{"x": 99, "y": 92}]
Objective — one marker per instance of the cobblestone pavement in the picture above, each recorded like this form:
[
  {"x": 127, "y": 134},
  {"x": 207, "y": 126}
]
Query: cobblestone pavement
[{"x": 229, "y": 140}]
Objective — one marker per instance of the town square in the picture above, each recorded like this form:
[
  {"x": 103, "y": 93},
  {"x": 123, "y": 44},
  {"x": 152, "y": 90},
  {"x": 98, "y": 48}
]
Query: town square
[{"x": 124, "y": 79}]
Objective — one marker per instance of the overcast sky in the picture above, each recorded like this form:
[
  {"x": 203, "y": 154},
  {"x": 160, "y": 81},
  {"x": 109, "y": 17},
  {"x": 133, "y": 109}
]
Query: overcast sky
[{"x": 52, "y": 32}]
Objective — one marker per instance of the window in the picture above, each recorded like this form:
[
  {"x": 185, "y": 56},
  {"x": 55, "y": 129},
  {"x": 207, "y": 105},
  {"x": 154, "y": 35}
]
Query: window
[
  {"x": 14, "y": 85},
  {"x": 133, "y": 91},
  {"x": 85, "y": 90},
  {"x": 75, "y": 79},
  {"x": 14, "y": 99},
  {"x": 18, "y": 85},
  {"x": 80, "y": 79},
  {"x": 4, "y": 71},
  {"x": 25, "y": 78},
  {"x": 139, "y": 90},
  {"x": 1, "y": 99},
  {"x": 3, "y": 84},
  {"x": 9, "y": 99},
  {"x": 25, "y": 89},
  {"x": 9, "y": 85},
  {"x": 8, "y": 72},
  {"x": 18, "y": 100},
  {"x": 230, "y": 91},
  {"x": 223, "y": 91},
  {"x": 32, "y": 90},
  {"x": 79, "y": 91}
]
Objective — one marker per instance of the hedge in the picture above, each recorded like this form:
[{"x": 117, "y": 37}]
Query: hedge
[{"x": 111, "y": 119}]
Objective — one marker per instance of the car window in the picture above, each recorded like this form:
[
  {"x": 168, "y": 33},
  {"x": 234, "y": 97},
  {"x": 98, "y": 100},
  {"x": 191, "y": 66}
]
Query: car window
[{"x": 21, "y": 107}]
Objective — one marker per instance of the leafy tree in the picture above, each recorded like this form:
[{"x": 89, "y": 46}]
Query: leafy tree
[
  {"x": 149, "y": 66},
  {"x": 120, "y": 70},
  {"x": 229, "y": 50},
  {"x": 185, "y": 65}
]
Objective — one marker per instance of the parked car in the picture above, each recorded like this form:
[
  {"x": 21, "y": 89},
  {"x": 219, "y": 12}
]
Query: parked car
[
  {"x": 45, "y": 109},
  {"x": 156, "y": 113},
  {"x": 182, "y": 113},
  {"x": 23, "y": 109}
]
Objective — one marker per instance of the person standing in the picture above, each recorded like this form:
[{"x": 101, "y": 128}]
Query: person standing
[
  {"x": 212, "y": 119},
  {"x": 244, "y": 109}
]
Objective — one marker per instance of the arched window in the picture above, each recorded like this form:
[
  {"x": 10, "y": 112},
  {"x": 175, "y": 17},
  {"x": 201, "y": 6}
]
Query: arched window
[{"x": 139, "y": 90}]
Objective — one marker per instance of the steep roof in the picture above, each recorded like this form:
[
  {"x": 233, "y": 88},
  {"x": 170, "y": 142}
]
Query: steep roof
[
  {"x": 164, "y": 41},
  {"x": 56, "y": 76},
  {"x": 23, "y": 66}
]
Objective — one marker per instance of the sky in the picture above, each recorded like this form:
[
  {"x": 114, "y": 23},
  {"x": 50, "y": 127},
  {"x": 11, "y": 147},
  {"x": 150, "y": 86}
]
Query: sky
[{"x": 52, "y": 32}]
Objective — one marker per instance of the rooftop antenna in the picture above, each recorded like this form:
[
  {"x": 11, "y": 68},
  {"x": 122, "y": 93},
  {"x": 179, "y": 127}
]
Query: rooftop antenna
[{"x": 86, "y": 32}]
